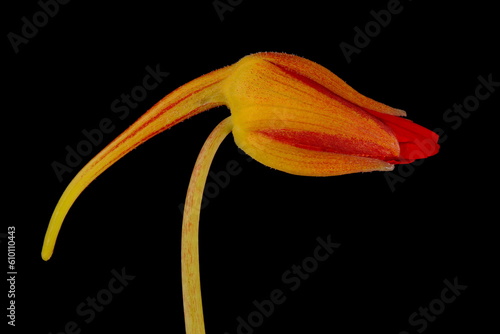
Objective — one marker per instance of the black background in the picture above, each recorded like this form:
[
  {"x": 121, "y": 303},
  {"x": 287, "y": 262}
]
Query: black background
[{"x": 397, "y": 246}]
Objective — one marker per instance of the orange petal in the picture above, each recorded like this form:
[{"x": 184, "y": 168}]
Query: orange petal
[
  {"x": 301, "y": 161},
  {"x": 305, "y": 69}
]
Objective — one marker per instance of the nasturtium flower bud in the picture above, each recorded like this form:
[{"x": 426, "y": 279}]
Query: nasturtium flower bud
[
  {"x": 288, "y": 113},
  {"x": 294, "y": 115}
]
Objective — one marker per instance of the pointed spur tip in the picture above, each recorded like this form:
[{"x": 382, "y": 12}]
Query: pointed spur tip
[{"x": 46, "y": 254}]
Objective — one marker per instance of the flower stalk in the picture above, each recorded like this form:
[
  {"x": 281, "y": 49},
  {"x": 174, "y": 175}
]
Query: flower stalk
[{"x": 191, "y": 287}]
